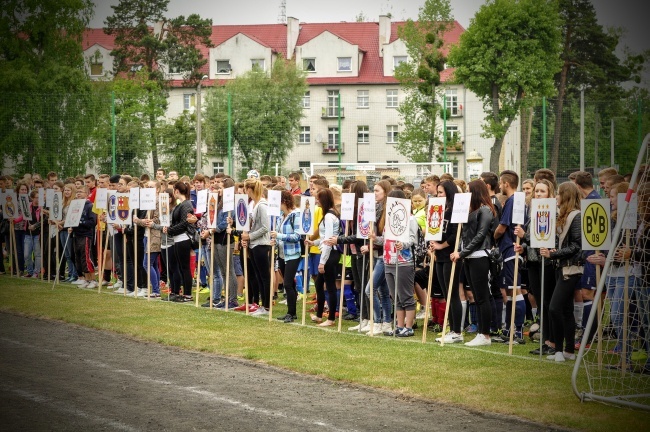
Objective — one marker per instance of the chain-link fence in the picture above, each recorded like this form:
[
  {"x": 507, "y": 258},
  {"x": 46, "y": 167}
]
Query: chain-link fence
[{"x": 103, "y": 132}]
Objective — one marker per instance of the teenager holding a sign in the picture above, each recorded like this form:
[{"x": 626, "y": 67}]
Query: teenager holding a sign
[
  {"x": 476, "y": 240},
  {"x": 20, "y": 229},
  {"x": 568, "y": 271},
  {"x": 222, "y": 262},
  {"x": 82, "y": 237},
  {"x": 32, "y": 245},
  {"x": 329, "y": 258}
]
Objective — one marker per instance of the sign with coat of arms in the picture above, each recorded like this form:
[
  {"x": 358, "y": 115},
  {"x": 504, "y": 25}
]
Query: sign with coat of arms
[
  {"x": 543, "y": 213},
  {"x": 435, "y": 219},
  {"x": 118, "y": 209}
]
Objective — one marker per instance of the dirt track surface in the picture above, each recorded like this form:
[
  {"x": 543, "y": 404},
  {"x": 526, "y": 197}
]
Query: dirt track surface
[{"x": 55, "y": 376}]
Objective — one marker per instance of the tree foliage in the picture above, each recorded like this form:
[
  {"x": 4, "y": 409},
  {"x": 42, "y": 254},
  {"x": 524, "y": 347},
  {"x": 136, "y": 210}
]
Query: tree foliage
[
  {"x": 47, "y": 109},
  {"x": 178, "y": 140},
  {"x": 266, "y": 113},
  {"x": 510, "y": 50},
  {"x": 420, "y": 79}
]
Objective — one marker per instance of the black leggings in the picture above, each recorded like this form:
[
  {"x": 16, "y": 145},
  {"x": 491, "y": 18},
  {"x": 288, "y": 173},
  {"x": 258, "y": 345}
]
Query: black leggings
[
  {"x": 182, "y": 256},
  {"x": 535, "y": 287},
  {"x": 259, "y": 256},
  {"x": 561, "y": 312},
  {"x": 443, "y": 272},
  {"x": 327, "y": 280},
  {"x": 288, "y": 269},
  {"x": 476, "y": 271},
  {"x": 360, "y": 278}
]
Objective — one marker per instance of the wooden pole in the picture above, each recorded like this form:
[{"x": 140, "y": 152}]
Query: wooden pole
[
  {"x": 305, "y": 284},
  {"x": 103, "y": 266},
  {"x": 100, "y": 258},
  {"x": 211, "y": 282},
  {"x": 57, "y": 255},
  {"x": 11, "y": 249},
  {"x": 198, "y": 276},
  {"x": 345, "y": 255},
  {"x": 395, "y": 296},
  {"x": 227, "y": 280},
  {"x": 625, "y": 306},
  {"x": 362, "y": 291},
  {"x": 149, "y": 259},
  {"x": 541, "y": 314},
  {"x": 272, "y": 286},
  {"x": 371, "y": 282},
  {"x": 58, "y": 261},
  {"x": 427, "y": 303},
  {"x": 514, "y": 300},
  {"x": 449, "y": 288},
  {"x": 124, "y": 261},
  {"x": 135, "y": 260},
  {"x": 42, "y": 275},
  {"x": 246, "y": 277},
  {"x": 14, "y": 249}
]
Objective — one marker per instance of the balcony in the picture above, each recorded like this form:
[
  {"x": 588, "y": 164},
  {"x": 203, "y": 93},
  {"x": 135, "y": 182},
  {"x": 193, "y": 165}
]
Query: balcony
[
  {"x": 452, "y": 147},
  {"x": 329, "y": 149},
  {"x": 330, "y": 112}
]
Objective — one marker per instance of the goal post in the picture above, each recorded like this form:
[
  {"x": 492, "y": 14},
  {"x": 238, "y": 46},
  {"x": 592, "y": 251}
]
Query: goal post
[
  {"x": 372, "y": 172},
  {"x": 615, "y": 360}
]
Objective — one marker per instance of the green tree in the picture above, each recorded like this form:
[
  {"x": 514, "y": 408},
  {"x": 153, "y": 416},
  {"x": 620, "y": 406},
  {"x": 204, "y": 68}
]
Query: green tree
[
  {"x": 178, "y": 140},
  {"x": 48, "y": 107},
  {"x": 137, "y": 100},
  {"x": 266, "y": 113},
  {"x": 420, "y": 79},
  {"x": 146, "y": 39},
  {"x": 510, "y": 50}
]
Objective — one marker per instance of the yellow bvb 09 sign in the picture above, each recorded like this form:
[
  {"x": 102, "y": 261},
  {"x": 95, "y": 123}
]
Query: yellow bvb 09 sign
[{"x": 595, "y": 224}]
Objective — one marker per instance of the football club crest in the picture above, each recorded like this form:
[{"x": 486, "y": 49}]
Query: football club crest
[
  {"x": 435, "y": 219},
  {"x": 543, "y": 214},
  {"x": 398, "y": 212},
  {"x": 212, "y": 210},
  {"x": 163, "y": 209},
  {"x": 112, "y": 208},
  {"x": 24, "y": 207},
  {"x": 241, "y": 212},
  {"x": 363, "y": 228},
  {"x": 123, "y": 211},
  {"x": 542, "y": 227},
  {"x": 10, "y": 207},
  {"x": 57, "y": 210},
  {"x": 306, "y": 218}
]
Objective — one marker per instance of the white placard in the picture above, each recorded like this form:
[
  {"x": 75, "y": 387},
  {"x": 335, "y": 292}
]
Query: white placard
[
  {"x": 519, "y": 208},
  {"x": 307, "y": 214},
  {"x": 398, "y": 214},
  {"x": 460, "y": 209},
  {"x": 118, "y": 208},
  {"x": 595, "y": 214},
  {"x": 242, "y": 221},
  {"x": 201, "y": 201},
  {"x": 10, "y": 209},
  {"x": 134, "y": 198},
  {"x": 163, "y": 209},
  {"x": 148, "y": 199},
  {"x": 543, "y": 216},
  {"x": 363, "y": 227},
  {"x": 75, "y": 210},
  {"x": 435, "y": 219},
  {"x": 275, "y": 197},
  {"x": 369, "y": 207},
  {"x": 229, "y": 199},
  {"x": 24, "y": 207},
  {"x": 56, "y": 209},
  {"x": 213, "y": 204},
  {"x": 49, "y": 194},
  {"x": 631, "y": 214},
  {"x": 347, "y": 206},
  {"x": 101, "y": 199},
  {"x": 41, "y": 197}
]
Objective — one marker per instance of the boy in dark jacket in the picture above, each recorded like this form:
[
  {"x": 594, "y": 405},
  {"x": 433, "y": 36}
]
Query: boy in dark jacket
[{"x": 82, "y": 236}]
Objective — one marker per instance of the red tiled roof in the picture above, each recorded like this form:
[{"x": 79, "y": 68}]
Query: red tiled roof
[
  {"x": 273, "y": 36},
  {"x": 97, "y": 36}
]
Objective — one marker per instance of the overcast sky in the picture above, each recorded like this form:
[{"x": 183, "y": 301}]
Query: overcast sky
[{"x": 621, "y": 13}]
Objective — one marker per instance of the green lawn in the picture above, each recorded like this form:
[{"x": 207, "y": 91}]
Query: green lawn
[{"x": 485, "y": 380}]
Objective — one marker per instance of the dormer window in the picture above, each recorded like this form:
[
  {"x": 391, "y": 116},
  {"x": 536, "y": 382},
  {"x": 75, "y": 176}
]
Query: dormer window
[
  {"x": 223, "y": 66},
  {"x": 309, "y": 64},
  {"x": 345, "y": 64},
  {"x": 96, "y": 68},
  {"x": 397, "y": 60}
]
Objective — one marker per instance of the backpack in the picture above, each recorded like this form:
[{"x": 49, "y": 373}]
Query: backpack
[{"x": 419, "y": 249}]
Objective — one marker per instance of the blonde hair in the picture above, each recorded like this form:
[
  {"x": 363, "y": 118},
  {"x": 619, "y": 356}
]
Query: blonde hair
[{"x": 256, "y": 186}]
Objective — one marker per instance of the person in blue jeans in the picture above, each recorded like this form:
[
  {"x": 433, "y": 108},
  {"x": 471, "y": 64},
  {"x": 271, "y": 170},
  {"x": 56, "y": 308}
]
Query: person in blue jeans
[{"x": 32, "y": 245}]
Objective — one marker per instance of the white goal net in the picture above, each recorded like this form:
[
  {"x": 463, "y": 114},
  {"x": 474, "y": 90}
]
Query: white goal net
[{"x": 615, "y": 357}]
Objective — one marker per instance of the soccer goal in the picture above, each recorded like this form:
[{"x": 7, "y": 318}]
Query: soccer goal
[
  {"x": 371, "y": 173},
  {"x": 614, "y": 360}
]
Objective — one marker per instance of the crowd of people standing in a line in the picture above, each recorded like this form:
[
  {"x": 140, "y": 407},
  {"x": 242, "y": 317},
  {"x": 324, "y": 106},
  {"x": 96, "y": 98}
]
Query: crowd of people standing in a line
[{"x": 479, "y": 304}]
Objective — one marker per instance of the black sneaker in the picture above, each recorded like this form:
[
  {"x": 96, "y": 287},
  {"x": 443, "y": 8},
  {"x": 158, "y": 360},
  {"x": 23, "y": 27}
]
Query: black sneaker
[
  {"x": 404, "y": 332},
  {"x": 287, "y": 318},
  {"x": 206, "y": 304},
  {"x": 350, "y": 317}
]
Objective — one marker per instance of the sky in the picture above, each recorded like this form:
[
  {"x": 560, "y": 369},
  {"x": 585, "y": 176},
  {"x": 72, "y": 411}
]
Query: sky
[{"x": 618, "y": 13}]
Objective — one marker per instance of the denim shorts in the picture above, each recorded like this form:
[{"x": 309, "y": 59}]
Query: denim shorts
[
  {"x": 236, "y": 261},
  {"x": 314, "y": 260}
]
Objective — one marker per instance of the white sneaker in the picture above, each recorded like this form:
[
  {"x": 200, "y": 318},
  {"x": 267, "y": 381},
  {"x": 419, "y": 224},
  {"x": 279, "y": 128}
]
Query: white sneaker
[
  {"x": 568, "y": 356},
  {"x": 80, "y": 282},
  {"x": 143, "y": 292},
  {"x": 131, "y": 293},
  {"x": 420, "y": 315},
  {"x": 116, "y": 285},
  {"x": 120, "y": 290},
  {"x": 82, "y": 285},
  {"x": 359, "y": 326},
  {"x": 283, "y": 302},
  {"x": 386, "y": 327},
  {"x": 92, "y": 285},
  {"x": 558, "y": 357},
  {"x": 260, "y": 311},
  {"x": 479, "y": 340},
  {"x": 366, "y": 328},
  {"x": 451, "y": 337},
  {"x": 376, "y": 329}
]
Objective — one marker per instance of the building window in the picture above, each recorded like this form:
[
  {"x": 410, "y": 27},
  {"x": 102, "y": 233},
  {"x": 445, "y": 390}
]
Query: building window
[
  {"x": 363, "y": 134},
  {"x": 96, "y": 69},
  {"x": 452, "y": 102},
  {"x": 363, "y": 99},
  {"x": 391, "y": 98},
  {"x": 333, "y": 136},
  {"x": 223, "y": 66},
  {"x": 391, "y": 134},
  {"x": 397, "y": 60},
  {"x": 217, "y": 167},
  {"x": 189, "y": 101},
  {"x": 257, "y": 63},
  {"x": 309, "y": 64},
  {"x": 454, "y": 169},
  {"x": 332, "y": 103},
  {"x": 306, "y": 100},
  {"x": 305, "y": 135},
  {"x": 304, "y": 164},
  {"x": 452, "y": 133},
  {"x": 345, "y": 64},
  {"x": 363, "y": 162}
]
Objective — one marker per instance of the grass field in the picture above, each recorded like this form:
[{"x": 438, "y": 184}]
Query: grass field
[{"x": 483, "y": 380}]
